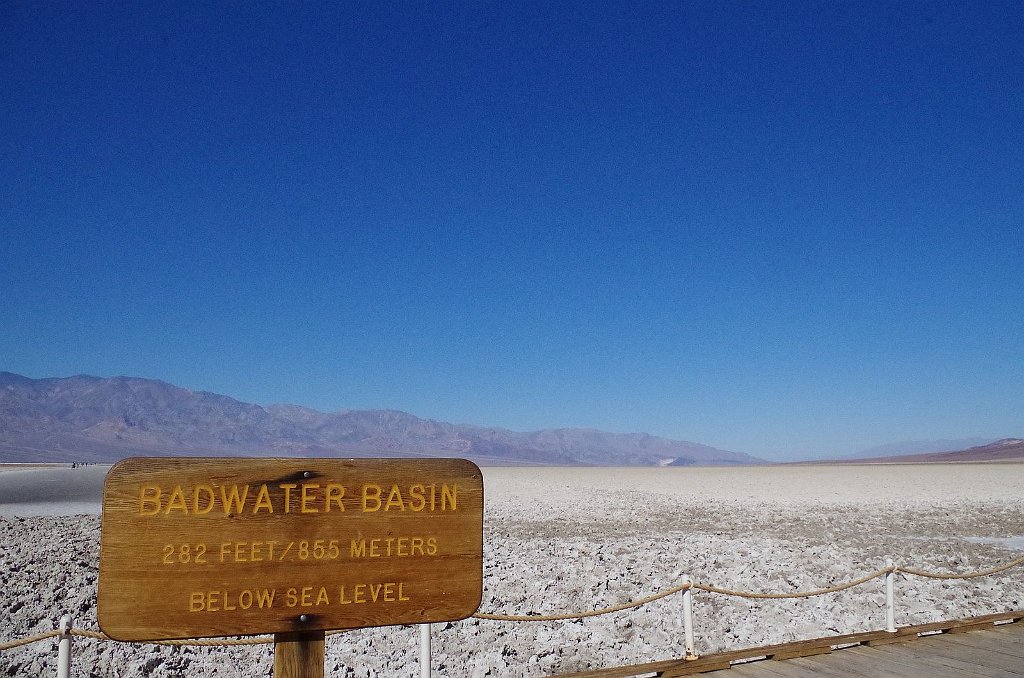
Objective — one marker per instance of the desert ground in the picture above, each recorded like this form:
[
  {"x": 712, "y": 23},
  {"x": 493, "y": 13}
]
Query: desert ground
[{"x": 575, "y": 539}]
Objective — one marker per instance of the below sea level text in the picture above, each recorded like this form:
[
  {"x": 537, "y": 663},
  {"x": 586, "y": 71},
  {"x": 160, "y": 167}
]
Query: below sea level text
[{"x": 226, "y": 600}]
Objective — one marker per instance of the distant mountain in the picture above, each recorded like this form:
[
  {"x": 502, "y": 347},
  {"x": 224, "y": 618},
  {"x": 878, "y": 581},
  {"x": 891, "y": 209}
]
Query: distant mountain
[
  {"x": 921, "y": 447},
  {"x": 86, "y": 418},
  {"x": 1008, "y": 449}
]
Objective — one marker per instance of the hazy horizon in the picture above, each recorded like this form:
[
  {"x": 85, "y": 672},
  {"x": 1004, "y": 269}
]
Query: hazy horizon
[{"x": 892, "y": 449}]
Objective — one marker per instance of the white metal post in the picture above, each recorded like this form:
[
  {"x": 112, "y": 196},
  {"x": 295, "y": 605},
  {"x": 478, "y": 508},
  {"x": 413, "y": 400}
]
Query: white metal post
[
  {"x": 688, "y": 618},
  {"x": 64, "y": 648},
  {"x": 424, "y": 650},
  {"x": 890, "y": 602}
]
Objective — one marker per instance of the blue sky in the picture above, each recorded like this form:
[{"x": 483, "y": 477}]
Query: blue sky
[{"x": 780, "y": 228}]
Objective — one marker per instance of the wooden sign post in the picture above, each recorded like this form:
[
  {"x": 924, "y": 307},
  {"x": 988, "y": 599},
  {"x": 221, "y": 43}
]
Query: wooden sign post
[
  {"x": 201, "y": 547},
  {"x": 299, "y": 655}
]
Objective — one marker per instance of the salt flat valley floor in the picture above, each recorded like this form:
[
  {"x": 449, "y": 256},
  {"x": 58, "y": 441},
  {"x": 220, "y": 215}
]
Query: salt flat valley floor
[{"x": 561, "y": 539}]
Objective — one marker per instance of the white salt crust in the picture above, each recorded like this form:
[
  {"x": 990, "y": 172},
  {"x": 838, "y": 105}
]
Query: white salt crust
[{"x": 578, "y": 539}]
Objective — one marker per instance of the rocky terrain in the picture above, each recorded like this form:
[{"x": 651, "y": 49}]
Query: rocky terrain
[{"x": 576, "y": 539}]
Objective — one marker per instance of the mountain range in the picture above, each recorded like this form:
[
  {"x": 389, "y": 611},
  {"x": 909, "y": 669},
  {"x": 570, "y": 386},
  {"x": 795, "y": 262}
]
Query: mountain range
[
  {"x": 915, "y": 447},
  {"x": 95, "y": 419},
  {"x": 1007, "y": 449}
]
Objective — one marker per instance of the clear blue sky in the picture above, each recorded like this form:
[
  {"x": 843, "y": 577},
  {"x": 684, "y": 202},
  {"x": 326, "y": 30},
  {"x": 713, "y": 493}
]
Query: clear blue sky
[{"x": 778, "y": 228}]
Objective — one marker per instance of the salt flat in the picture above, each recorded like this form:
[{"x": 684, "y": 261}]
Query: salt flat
[
  {"x": 559, "y": 539},
  {"x": 61, "y": 490},
  {"x": 51, "y": 489},
  {"x": 790, "y": 484}
]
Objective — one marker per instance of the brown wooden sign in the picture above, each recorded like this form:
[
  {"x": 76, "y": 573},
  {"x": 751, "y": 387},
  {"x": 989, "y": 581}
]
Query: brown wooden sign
[{"x": 197, "y": 547}]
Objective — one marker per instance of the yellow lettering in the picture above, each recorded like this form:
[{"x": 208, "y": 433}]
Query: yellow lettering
[
  {"x": 212, "y": 599},
  {"x": 397, "y": 547},
  {"x": 382, "y": 592},
  {"x": 245, "y": 599},
  {"x": 196, "y": 601},
  {"x": 371, "y": 497},
  {"x": 239, "y": 551},
  {"x": 335, "y": 491},
  {"x": 265, "y": 598},
  {"x": 149, "y": 500},
  {"x": 321, "y": 598},
  {"x": 196, "y": 501},
  {"x": 307, "y": 592},
  {"x": 256, "y": 551},
  {"x": 304, "y": 507},
  {"x": 291, "y": 598},
  {"x": 287, "y": 487},
  {"x": 448, "y": 495},
  {"x": 263, "y": 500},
  {"x": 417, "y": 501},
  {"x": 310, "y": 498},
  {"x": 233, "y": 499},
  {"x": 395, "y": 499},
  {"x": 176, "y": 500}
]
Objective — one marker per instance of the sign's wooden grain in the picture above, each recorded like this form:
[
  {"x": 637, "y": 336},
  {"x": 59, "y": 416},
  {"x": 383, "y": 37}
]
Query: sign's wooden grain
[
  {"x": 200, "y": 547},
  {"x": 299, "y": 655}
]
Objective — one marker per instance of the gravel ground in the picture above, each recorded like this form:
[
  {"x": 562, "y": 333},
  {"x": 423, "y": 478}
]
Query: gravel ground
[{"x": 579, "y": 539}]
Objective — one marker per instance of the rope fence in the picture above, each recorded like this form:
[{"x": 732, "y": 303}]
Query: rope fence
[
  {"x": 28, "y": 640},
  {"x": 66, "y": 630},
  {"x": 889, "y": 569},
  {"x": 968, "y": 575}
]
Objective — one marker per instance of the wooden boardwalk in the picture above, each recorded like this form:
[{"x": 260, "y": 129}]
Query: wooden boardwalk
[
  {"x": 991, "y": 646},
  {"x": 992, "y": 653}
]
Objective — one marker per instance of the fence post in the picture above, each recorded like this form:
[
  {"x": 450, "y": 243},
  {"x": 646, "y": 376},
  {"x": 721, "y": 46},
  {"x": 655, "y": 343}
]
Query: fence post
[
  {"x": 688, "y": 618},
  {"x": 890, "y": 601},
  {"x": 424, "y": 650},
  {"x": 64, "y": 648}
]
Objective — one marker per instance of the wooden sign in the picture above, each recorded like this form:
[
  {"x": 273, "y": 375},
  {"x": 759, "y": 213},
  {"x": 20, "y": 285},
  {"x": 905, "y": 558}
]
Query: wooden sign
[{"x": 197, "y": 547}]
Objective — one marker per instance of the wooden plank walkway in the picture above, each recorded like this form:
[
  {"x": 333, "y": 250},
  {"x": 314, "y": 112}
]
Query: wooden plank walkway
[
  {"x": 991, "y": 646},
  {"x": 993, "y": 653}
]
